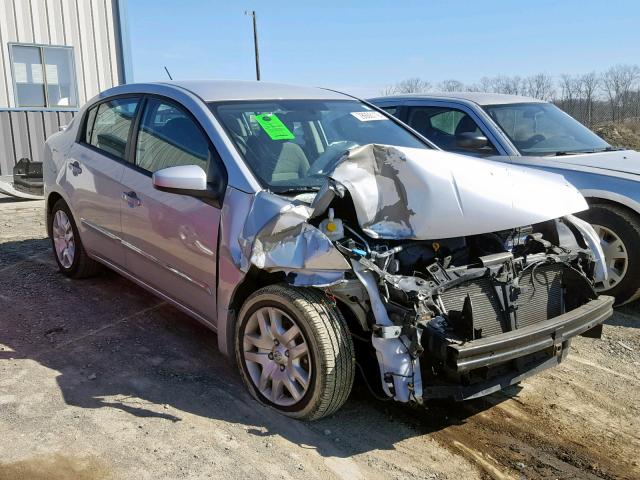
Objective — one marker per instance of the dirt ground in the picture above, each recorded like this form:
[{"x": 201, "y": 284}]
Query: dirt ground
[{"x": 101, "y": 380}]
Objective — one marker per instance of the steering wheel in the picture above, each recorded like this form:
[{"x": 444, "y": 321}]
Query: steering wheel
[
  {"x": 531, "y": 141},
  {"x": 333, "y": 151}
]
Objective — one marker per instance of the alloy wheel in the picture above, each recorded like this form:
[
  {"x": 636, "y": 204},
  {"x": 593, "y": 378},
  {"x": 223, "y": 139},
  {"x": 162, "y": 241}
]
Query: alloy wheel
[
  {"x": 63, "y": 240},
  {"x": 616, "y": 257},
  {"x": 277, "y": 356}
]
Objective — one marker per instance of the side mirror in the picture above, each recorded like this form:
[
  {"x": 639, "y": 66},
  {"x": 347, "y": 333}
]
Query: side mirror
[
  {"x": 471, "y": 141},
  {"x": 185, "y": 180}
]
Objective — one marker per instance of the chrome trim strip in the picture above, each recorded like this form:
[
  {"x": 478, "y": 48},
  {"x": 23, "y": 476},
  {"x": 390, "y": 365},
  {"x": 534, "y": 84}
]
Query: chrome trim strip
[
  {"x": 101, "y": 230},
  {"x": 166, "y": 266},
  {"x": 148, "y": 256}
]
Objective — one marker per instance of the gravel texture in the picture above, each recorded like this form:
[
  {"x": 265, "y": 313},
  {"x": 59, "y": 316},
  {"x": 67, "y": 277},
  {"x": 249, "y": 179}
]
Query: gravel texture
[{"x": 101, "y": 380}]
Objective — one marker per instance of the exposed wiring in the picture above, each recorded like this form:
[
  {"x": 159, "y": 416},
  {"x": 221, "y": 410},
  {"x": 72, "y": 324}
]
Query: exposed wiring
[
  {"x": 360, "y": 237},
  {"x": 370, "y": 388}
]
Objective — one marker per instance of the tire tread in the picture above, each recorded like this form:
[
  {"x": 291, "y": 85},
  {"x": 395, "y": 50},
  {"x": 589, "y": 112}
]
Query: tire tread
[{"x": 337, "y": 352}]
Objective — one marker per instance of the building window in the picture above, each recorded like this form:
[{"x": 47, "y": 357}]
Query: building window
[{"x": 43, "y": 76}]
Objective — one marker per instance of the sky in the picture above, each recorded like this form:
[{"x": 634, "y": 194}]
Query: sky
[{"x": 361, "y": 46}]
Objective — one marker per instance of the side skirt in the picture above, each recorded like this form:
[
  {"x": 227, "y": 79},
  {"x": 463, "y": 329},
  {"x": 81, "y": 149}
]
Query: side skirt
[{"x": 155, "y": 291}]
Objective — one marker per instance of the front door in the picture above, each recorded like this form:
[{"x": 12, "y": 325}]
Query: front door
[
  {"x": 170, "y": 239},
  {"x": 93, "y": 172},
  {"x": 446, "y": 127}
]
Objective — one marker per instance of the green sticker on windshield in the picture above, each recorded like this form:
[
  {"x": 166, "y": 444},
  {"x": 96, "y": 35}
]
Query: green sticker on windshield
[{"x": 274, "y": 127}]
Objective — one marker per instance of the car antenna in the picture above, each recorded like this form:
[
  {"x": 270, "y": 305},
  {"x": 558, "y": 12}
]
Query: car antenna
[{"x": 167, "y": 70}]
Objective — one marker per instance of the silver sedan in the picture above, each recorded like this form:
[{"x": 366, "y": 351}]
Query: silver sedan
[{"x": 315, "y": 233}]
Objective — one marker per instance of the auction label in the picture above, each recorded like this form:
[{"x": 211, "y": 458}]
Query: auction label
[
  {"x": 274, "y": 127},
  {"x": 368, "y": 116}
]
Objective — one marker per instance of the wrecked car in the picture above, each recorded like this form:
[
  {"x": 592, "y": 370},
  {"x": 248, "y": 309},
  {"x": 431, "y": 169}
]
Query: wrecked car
[{"x": 319, "y": 236}]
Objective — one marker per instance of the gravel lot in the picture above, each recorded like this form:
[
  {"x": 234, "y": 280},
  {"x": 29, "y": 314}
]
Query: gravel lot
[{"x": 99, "y": 379}]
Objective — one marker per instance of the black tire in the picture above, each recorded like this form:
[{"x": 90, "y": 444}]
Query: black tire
[
  {"x": 331, "y": 350},
  {"x": 626, "y": 226},
  {"x": 82, "y": 266}
]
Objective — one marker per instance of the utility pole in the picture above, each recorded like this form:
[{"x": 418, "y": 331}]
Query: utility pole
[{"x": 255, "y": 41}]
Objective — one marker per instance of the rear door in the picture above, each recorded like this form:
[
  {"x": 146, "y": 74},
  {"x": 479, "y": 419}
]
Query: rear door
[
  {"x": 94, "y": 169},
  {"x": 171, "y": 239}
]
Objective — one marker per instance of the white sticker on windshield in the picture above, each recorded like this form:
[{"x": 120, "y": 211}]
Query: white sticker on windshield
[{"x": 368, "y": 116}]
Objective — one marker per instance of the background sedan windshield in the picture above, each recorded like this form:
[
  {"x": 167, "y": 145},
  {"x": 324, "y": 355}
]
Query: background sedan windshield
[
  {"x": 542, "y": 129},
  {"x": 288, "y": 144}
]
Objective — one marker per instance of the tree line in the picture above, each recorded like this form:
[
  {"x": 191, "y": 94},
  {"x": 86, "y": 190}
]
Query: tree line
[{"x": 611, "y": 95}]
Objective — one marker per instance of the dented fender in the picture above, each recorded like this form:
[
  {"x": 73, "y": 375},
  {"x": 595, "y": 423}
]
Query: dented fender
[{"x": 277, "y": 237}]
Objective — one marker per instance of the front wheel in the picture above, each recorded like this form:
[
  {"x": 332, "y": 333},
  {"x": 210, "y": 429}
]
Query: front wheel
[
  {"x": 619, "y": 232},
  {"x": 294, "y": 351}
]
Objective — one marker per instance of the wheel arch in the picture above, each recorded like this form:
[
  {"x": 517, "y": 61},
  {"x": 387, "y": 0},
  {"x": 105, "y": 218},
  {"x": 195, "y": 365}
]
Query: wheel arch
[
  {"x": 52, "y": 199},
  {"x": 606, "y": 197},
  {"x": 252, "y": 281},
  {"x": 256, "y": 279}
]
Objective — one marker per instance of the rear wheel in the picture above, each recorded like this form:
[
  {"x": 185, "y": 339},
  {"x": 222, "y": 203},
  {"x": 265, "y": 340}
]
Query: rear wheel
[
  {"x": 70, "y": 255},
  {"x": 619, "y": 232},
  {"x": 294, "y": 351}
]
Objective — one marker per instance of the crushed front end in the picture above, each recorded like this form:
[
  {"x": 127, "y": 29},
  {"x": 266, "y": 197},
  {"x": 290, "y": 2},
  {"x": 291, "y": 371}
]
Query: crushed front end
[
  {"x": 461, "y": 276},
  {"x": 464, "y": 317}
]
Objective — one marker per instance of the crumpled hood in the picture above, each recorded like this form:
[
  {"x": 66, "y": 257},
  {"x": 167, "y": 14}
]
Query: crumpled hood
[
  {"x": 407, "y": 193},
  {"x": 399, "y": 193},
  {"x": 626, "y": 161}
]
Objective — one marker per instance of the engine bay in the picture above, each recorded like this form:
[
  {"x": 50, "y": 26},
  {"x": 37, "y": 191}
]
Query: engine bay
[{"x": 432, "y": 278}]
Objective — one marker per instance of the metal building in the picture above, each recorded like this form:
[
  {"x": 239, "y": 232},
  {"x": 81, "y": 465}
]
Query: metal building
[{"x": 54, "y": 56}]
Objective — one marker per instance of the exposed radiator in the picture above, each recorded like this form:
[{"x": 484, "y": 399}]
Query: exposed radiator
[
  {"x": 539, "y": 300},
  {"x": 487, "y": 314}
]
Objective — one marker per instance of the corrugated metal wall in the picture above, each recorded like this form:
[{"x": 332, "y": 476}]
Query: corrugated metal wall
[
  {"x": 22, "y": 134},
  {"x": 89, "y": 26}
]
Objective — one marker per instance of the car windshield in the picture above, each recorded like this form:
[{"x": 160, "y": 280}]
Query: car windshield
[
  {"x": 544, "y": 129},
  {"x": 289, "y": 144}
]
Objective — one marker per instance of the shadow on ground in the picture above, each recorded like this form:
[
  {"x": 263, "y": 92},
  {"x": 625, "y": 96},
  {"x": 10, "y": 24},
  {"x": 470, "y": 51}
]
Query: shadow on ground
[{"x": 115, "y": 345}]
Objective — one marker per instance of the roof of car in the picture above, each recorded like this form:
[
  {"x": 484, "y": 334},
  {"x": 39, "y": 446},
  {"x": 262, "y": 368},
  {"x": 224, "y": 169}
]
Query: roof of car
[
  {"x": 225, "y": 90},
  {"x": 481, "y": 98}
]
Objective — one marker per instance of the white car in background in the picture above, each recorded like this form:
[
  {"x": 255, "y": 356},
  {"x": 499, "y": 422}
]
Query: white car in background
[{"x": 529, "y": 132}]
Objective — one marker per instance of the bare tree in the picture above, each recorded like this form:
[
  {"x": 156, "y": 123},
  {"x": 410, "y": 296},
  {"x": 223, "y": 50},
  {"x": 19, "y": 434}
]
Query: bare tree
[
  {"x": 451, "y": 85},
  {"x": 539, "y": 86},
  {"x": 589, "y": 83},
  {"x": 413, "y": 85},
  {"x": 388, "y": 90},
  {"x": 484, "y": 85},
  {"x": 617, "y": 83},
  {"x": 409, "y": 85},
  {"x": 570, "y": 89},
  {"x": 509, "y": 85},
  {"x": 570, "y": 94}
]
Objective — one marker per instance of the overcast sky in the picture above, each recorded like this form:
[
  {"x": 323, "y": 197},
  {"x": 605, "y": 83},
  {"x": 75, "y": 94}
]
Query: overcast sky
[{"x": 361, "y": 46}]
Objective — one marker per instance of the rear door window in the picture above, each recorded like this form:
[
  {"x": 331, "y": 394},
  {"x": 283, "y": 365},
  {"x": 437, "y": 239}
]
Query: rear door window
[{"x": 108, "y": 128}]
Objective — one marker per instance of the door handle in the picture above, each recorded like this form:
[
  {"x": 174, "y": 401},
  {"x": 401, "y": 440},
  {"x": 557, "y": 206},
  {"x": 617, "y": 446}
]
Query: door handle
[
  {"x": 131, "y": 198},
  {"x": 75, "y": 168}
]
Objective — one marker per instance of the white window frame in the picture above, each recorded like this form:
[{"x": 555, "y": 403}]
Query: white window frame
[{"x": 47, "y": 105}]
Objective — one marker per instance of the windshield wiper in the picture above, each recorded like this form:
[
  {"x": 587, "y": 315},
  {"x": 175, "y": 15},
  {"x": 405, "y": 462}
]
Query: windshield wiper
[
  {"x": 580, "y": 152},
  {"x": 608, "y": 149},
  {"x": 562, "y": 154}
]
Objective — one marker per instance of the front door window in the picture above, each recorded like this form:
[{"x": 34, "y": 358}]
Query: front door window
[{"x": 450, "y": 129}]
